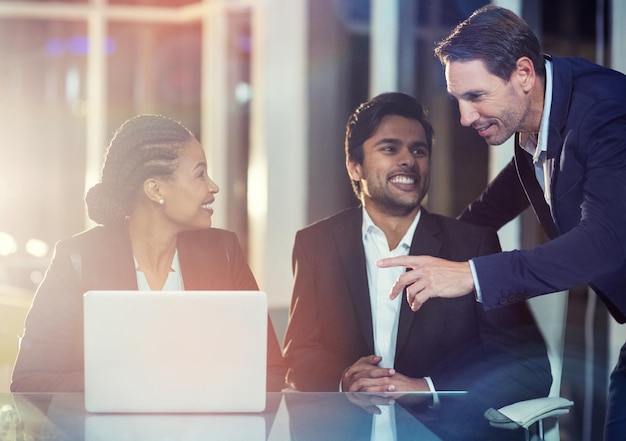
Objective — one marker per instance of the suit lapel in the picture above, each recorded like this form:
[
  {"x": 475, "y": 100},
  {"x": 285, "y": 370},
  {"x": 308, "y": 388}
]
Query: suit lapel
[
  {"x": 525, "y": 168},
  {"x": 204, "y": 261},
  {"x": 195, "y": 269},
  {"x": 426, "y": 241},
  {"x": 526, "y": 171},
  {"x": 352, "y": 257},
  {"x": 115, "y": 264}
]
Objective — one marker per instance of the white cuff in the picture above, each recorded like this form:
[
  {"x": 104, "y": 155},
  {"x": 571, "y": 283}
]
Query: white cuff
[
  {"x": 431, "y": 386},
  {"x": 479, "y": 296}
]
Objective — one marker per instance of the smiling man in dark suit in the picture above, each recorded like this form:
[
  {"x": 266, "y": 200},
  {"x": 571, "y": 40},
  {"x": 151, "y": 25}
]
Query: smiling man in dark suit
[{"x": 344, "y": 333}]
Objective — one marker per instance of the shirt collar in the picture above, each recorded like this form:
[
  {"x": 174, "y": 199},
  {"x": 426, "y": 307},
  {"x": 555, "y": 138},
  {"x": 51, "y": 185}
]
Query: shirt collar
[
  {"x": 537, "y": 144},
  {"x": 547, "y": 107},
  {"x": 175, "y": 263},
  {"x": 368, "y": 226}
]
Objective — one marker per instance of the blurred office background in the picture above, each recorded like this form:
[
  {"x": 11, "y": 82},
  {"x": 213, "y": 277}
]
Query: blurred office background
[{"x": 267, "y": 86}]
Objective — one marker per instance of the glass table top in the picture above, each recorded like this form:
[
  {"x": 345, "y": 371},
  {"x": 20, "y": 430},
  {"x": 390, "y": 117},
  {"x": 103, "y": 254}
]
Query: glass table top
[{"x": 288, "y": 416}]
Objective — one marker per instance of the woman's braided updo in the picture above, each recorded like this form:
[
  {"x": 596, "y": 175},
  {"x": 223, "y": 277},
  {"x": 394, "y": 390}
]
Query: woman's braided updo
[{"x": 146, "y": 146}]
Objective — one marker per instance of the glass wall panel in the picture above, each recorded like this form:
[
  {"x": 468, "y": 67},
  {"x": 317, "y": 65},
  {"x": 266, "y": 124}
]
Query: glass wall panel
[
  {"x": 50, "y": 1},
  {"x": 239, "y": 95},
  {"x": 154, "y": 68},
  {"x": 166, "y": 3},
  {"x": 42, "y": 119},
  {"x": 150, "y": 68}
]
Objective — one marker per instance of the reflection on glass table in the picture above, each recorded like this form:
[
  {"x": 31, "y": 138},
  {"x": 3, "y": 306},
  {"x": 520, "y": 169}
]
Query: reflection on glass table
[{"x": 289, "y": 416}]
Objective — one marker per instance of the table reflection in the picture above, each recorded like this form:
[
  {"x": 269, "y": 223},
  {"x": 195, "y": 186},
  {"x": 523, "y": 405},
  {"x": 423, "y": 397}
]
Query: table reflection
[
  {"x": 172, "y": 427},
  {"x": 290, "y": 416},
  {"x": 351, "y": 416}
]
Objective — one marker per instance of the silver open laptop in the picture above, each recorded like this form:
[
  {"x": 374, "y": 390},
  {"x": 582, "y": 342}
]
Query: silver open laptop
[{"x": 175, "y": 351}]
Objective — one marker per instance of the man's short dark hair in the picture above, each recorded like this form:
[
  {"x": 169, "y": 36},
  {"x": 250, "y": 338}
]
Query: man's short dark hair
[{"x": 367, "y": 117}]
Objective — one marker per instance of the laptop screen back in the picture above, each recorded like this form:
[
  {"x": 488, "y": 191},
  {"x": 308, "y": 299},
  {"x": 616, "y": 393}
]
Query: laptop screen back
[{"x": 175, "y": 351}]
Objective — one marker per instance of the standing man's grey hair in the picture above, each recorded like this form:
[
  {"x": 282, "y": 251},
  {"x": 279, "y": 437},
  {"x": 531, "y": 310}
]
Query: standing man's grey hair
[
  {"x": 497, "y": 37},
  {"x": 367, "y": 117}
]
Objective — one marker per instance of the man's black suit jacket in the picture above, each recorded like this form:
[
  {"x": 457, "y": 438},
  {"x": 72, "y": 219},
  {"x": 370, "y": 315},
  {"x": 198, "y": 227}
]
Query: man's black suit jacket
[{"x": 453, "y": 341}]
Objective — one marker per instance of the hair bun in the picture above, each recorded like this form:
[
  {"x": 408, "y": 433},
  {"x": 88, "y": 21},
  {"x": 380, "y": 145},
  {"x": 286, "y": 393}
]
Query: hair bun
[{"x": 102, "y": 205}]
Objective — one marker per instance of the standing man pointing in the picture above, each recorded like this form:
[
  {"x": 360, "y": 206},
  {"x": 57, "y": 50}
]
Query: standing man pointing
[{"x": 569, "y": 119}]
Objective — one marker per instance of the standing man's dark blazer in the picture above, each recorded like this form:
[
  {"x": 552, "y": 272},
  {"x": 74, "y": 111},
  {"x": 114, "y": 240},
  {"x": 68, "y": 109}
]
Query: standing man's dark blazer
[
  {"x": 587, "y": 219},
  {"x": 453, "y": 341},
  {"x": 51, "y": 352}
]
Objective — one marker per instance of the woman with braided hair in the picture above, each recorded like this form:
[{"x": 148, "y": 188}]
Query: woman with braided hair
[{"x": 153, "y": 205}]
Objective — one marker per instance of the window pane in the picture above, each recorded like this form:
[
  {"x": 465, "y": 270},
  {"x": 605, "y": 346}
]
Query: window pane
[
  {"x": 55, "y": 1},
  {"x": 165, "y": 3},
  {"x": 155, "y": 68},
  {"x": 42, "y": 118}
]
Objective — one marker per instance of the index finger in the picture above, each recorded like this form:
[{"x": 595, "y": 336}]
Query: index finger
[
  {"x": 405, "y": 261},
  {"x": 408, "y": 262}
]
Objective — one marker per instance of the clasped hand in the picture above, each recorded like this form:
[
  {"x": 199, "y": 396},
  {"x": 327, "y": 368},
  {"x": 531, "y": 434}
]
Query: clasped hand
[{"x": 366, "y": 376}]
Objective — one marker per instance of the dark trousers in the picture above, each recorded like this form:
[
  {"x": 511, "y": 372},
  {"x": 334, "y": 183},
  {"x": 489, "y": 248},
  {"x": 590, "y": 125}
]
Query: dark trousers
[{"x": 615, "y": 426}]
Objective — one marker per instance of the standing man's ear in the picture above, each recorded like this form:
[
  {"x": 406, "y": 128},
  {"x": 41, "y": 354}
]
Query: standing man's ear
[{"x": 524, "y": 74}]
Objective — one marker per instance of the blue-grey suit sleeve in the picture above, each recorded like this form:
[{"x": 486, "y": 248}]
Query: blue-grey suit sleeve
[{"x": 589, "y": 206}]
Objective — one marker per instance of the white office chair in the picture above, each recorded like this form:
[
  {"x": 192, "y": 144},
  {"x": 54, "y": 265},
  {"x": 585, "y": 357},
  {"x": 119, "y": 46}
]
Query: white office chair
[{"x": 550, "y": 312}]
